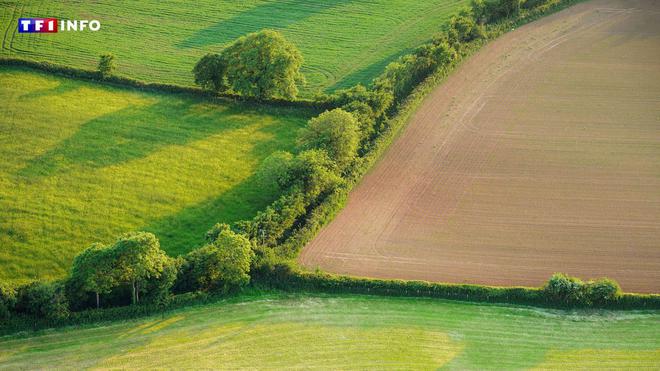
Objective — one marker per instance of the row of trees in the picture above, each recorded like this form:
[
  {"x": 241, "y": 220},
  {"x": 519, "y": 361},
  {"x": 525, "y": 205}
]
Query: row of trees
[{"x": 135, "y": 270}]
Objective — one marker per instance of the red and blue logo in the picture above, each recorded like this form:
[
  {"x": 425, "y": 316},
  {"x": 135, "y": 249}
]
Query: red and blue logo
[{"x": 37, "y": 25}]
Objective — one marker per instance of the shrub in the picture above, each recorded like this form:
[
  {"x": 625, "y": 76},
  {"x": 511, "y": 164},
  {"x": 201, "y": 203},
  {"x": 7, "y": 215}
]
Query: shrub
[
  {"x": 602, "y": 291},
  {"x": 271, "y": 172},
  {"x": 313, "y": 173},
  {"x": 222, "y": 265},
  {"x": 336, "y": 132},
  {"x": 215, "y": 231},
  {"x": 564, "y": 289},
  {"x": 263, "y": 65},
  {"x": 270, "y": 226},
  {"x": 106, "y": 65},
  {"x": 44, "y": 300},
  {"x": 210, "y": 72},
  {"x": 463, "y": 28}
]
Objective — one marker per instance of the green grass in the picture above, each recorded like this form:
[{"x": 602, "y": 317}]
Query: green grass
[
  {"x": 349, "y": 332},
  {"x": 84, "y": 163},
  {"x": 343, "y": 41}
]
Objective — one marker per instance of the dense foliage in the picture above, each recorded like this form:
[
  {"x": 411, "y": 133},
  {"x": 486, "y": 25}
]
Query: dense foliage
[
  {"x": 106, "y": 65},
  {"x": 262, "y": 65}
]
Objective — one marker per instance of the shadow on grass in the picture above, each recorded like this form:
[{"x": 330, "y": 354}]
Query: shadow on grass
[
  {"x": 134, "y": 132},
  {"x": 185, "y": 230},
  {"x": 272, "y": 14},
  {"x": 365, "y": 75}
]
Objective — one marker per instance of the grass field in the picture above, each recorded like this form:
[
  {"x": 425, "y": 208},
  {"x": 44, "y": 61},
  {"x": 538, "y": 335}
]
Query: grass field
[
  {"x": 349, "y": 332},
  {"x": 343, "y": 41},
  {"x": 84, "y": 163},
  {"x": 538, "y": 155}
]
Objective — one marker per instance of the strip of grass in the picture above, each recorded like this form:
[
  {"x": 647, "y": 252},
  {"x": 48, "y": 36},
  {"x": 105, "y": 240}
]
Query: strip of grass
[
  {"x": 84, "y": 163},
  {"x": 349, "y": 332},
  {"x": 344, "y": 42}
]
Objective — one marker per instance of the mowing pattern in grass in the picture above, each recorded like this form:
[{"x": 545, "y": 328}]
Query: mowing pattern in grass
[
  {"x": 350, "y": 332},
  {"x": 83, "y": 163},
  {"x": 343, "y": 41}
]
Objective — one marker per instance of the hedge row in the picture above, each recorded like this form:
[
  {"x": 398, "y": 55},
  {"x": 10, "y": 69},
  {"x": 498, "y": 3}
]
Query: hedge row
[
  {"x": 285, "y": 276},
  {"x": 123, "y": 81}
]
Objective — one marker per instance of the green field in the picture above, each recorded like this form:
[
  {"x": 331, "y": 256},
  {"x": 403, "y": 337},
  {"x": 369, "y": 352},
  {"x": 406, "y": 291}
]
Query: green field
[
  {"x": 343, "y": 41},
  {"x": 84, "y": 163},
  {"x": 349, "y": 332}
]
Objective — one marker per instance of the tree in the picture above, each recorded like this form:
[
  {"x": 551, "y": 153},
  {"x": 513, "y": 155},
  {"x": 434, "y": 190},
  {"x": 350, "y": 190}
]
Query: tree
[
  {"x": 106, "y": 65},
  {"x": 210, "y": 72},
  {"x": 137, "y": 259},
  {"x": 336, "y": 132},
  {"x": 93, "y": 271},
  {"x": 263, "y": 65},
  {"x": 313, "y": 172},
  {"x": 223, "y": 264}
]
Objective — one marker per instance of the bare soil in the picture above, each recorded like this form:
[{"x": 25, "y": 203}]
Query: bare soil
[{"x": 540, "y": 154}]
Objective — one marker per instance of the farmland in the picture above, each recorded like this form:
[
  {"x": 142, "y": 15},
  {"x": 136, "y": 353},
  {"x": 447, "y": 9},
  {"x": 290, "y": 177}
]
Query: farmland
[
  {"x": 349, "y": 332},
  {"x": 343, "y": 42},
  {"x": 85, "y": 163},
  {"x": 540, "y": 154}
]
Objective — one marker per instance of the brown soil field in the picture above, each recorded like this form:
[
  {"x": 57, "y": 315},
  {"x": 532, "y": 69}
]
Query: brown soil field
[{"x": 540, "y": 154}]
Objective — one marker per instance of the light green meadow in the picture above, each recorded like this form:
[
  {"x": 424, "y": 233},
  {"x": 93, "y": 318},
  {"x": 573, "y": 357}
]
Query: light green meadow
[
  {"x": 348, "y": 332},
  {"x": 83, "y": 163}
]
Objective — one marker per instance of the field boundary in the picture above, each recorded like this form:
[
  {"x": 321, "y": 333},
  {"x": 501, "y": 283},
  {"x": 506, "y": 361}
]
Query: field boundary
[{"x": 128, "y": 82}]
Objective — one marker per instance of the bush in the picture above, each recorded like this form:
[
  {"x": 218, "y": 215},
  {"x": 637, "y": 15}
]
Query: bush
[
  {"x": 271, "y": 173},
  {"x": 270, "y": 227},
  {"x": 463, "y": 28},
  {"x": 564, "y": 289},
  {"x": 106, "y": 65},
  {"x": 336, "y": 132},
  {"x": 44, "y": 300},
  {"x": 602, "y": 291},
  {"x": 311, "y": 172},
  {"x": 222, "y": 265}
]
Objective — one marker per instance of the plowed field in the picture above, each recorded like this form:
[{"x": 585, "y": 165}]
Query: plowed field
[{"x": 539, "y": 154}]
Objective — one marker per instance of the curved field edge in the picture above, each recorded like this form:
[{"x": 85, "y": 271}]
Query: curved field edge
[
  {"x": 343, "y": 261},
  {"x": 347, "y": 332}
]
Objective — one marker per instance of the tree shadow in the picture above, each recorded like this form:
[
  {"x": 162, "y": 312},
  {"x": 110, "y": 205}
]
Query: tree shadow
[
  {"x": 257, "y": 18},
  {"x": 63, "y": 87},
  {"x": 365, "y": 75},
  {"x": 136, "y": 131},
  {"x": 184, "y": 231}
]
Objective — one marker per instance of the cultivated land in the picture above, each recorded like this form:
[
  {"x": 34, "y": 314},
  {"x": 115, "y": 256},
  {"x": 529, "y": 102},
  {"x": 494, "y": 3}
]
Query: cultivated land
[
  {"x": 350, "y": 332},
  {"x": 540, "y": 154},
  {"x": 84, "y": 163},
  {"x": 343, "y": 42}
]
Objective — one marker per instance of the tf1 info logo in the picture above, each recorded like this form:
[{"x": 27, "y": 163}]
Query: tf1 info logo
[{"x": 53, "y": 25}]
